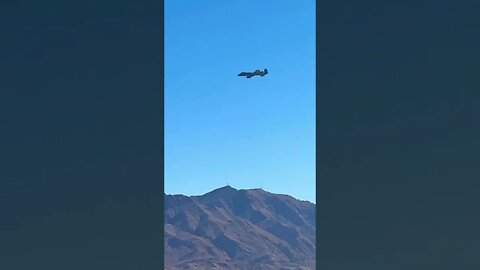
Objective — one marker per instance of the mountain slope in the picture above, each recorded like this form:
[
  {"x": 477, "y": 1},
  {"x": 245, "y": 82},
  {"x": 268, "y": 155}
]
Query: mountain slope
[{"x": 239, "y": 229}]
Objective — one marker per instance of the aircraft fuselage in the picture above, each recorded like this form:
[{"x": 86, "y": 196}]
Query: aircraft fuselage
[{"x": 257, "y": 72}]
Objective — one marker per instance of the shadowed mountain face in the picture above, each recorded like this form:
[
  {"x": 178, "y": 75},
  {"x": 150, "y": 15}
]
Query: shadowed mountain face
[{"x": 239, "y": 229}]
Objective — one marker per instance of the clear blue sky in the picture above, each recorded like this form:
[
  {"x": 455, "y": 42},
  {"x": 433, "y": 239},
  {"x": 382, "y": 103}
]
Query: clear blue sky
[{"x": 219, "y": 128}]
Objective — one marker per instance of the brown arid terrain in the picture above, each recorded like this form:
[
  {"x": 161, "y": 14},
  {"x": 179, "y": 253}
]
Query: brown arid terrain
[{"x": 239, "y": 229}]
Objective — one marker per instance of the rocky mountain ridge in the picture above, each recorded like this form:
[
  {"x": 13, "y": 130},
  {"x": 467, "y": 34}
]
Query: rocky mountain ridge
[{"x": 239, "y": 229}]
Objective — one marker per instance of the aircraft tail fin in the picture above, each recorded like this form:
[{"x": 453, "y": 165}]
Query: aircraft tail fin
[{"x": 265, "y": 71}]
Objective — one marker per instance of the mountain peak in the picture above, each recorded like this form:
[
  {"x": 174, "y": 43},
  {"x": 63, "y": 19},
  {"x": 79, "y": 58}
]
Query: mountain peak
[
  {"x": 221, "y": 191},
  {"x": 227, "y": 187},
  {"x": 240, "y": 229}
]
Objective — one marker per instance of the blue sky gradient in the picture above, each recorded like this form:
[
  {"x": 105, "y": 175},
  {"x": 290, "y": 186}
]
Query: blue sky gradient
[{"x": 221, "y": 128}]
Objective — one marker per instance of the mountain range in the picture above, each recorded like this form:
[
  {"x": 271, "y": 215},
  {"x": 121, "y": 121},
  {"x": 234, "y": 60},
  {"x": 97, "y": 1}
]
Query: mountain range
[{"x": 239, "y": 229}]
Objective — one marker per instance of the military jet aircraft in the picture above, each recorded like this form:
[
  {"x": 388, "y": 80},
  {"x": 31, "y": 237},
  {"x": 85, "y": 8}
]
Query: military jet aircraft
[{"x": 257, "y": 72}]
